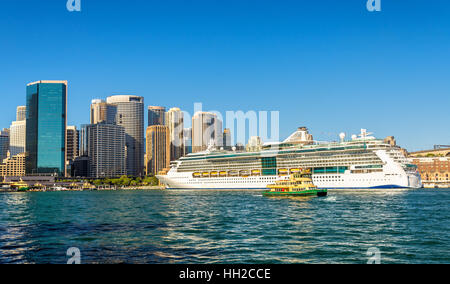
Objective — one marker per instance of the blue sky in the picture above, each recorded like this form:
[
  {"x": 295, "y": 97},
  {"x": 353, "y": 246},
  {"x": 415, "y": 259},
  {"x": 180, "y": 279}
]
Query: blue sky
[{"x": 326, "y": 64}]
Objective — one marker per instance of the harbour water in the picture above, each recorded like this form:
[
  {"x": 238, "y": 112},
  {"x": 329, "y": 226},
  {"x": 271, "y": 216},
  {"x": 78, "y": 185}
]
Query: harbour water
[{"x": 406, "y": 226}]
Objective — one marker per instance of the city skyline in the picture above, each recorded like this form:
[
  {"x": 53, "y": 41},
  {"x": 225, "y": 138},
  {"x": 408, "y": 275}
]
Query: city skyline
[
  {"x": 262, "y": 57},
  {"x": 97, "y": 101}
]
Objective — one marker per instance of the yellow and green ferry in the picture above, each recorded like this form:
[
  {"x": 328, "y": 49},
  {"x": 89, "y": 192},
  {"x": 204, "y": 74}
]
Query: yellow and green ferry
[
  {"x": 299, "y": 184},
  {"x": 20, "y": 186}
]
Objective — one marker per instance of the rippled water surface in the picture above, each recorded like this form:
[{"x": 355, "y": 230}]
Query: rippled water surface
[{"x": 407, "y": 226}]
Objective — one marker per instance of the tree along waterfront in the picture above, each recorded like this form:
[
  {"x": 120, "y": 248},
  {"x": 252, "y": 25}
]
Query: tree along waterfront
[{"x": 123, "y": 181}]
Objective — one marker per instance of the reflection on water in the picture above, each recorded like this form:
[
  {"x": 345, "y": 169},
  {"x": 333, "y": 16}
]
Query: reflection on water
[{"x": 225, "y": 227}]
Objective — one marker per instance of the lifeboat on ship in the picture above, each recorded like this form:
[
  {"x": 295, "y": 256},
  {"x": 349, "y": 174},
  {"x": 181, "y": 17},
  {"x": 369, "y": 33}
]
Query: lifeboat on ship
[
  {"x": 244, "y": 173},
  {"x": 256, "y": 172}
]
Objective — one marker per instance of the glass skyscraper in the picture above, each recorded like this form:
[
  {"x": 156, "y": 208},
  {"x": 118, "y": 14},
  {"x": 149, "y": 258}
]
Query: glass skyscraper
[{"x": 46, "y": 127}]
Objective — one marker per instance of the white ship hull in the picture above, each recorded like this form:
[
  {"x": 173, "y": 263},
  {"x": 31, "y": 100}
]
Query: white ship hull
[{"x": 332, "y": 181}]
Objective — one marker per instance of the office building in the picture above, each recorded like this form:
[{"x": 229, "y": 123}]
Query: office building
[
  {"x": 72, "y": 143},
  {"x": 21, "y": 113},
  {"x": 106, "y": 150},
  {"x": 102, "y": 112},
  {"x": 17, "y": 132},
  {"x": 206, "y": 131},
  {"x": 46, "y": 128},
  {"x": 17, "y": 139},
  {"x": 13, "y": 166},
  {"x": 83, "y": 150},
  {"x": 175, "y": 123},
  {"x": 227, "y": 144},
  {"x": 4, "y": 144},
  {"x": 156, "y": 115},
  {"x": 130, "y": 115},
  {"x": 157, "y": 149},
  {"x": 187, "y": 141},
  {"x": 80, "y": 167}
]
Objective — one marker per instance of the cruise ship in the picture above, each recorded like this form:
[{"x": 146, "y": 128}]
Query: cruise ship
[{"x": 363, "y": 162}]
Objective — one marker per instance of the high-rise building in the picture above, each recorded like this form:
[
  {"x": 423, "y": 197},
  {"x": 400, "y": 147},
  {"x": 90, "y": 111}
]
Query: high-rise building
[
  {"x": 21, "y": 113},
  {"x": 18, "y": 133},
  {"x": 4, "y": 144},
  {"x": 106, "y": 150},
  {"x": 174, "y": 120},
  {"x": 157, "y": 149},
  {"x": 156, "y": 115},
  {"x": 17, "y": 139},
  {"x": 101, "y": 112},
  {"x": 80, "y": 167},
  {"x": 206, "y": 131},
  {"x": 227, "y": 144},
  {"x": 72, "y": 143},
  {"x": 13, "y": 166},
  {"x": 83, "y": 150},
  {"x": 187, "y": 141},
  {"x": 219, "y": 134},
  {"x": 130, "y": 115},
  {"x": 46, "y": 127}
]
